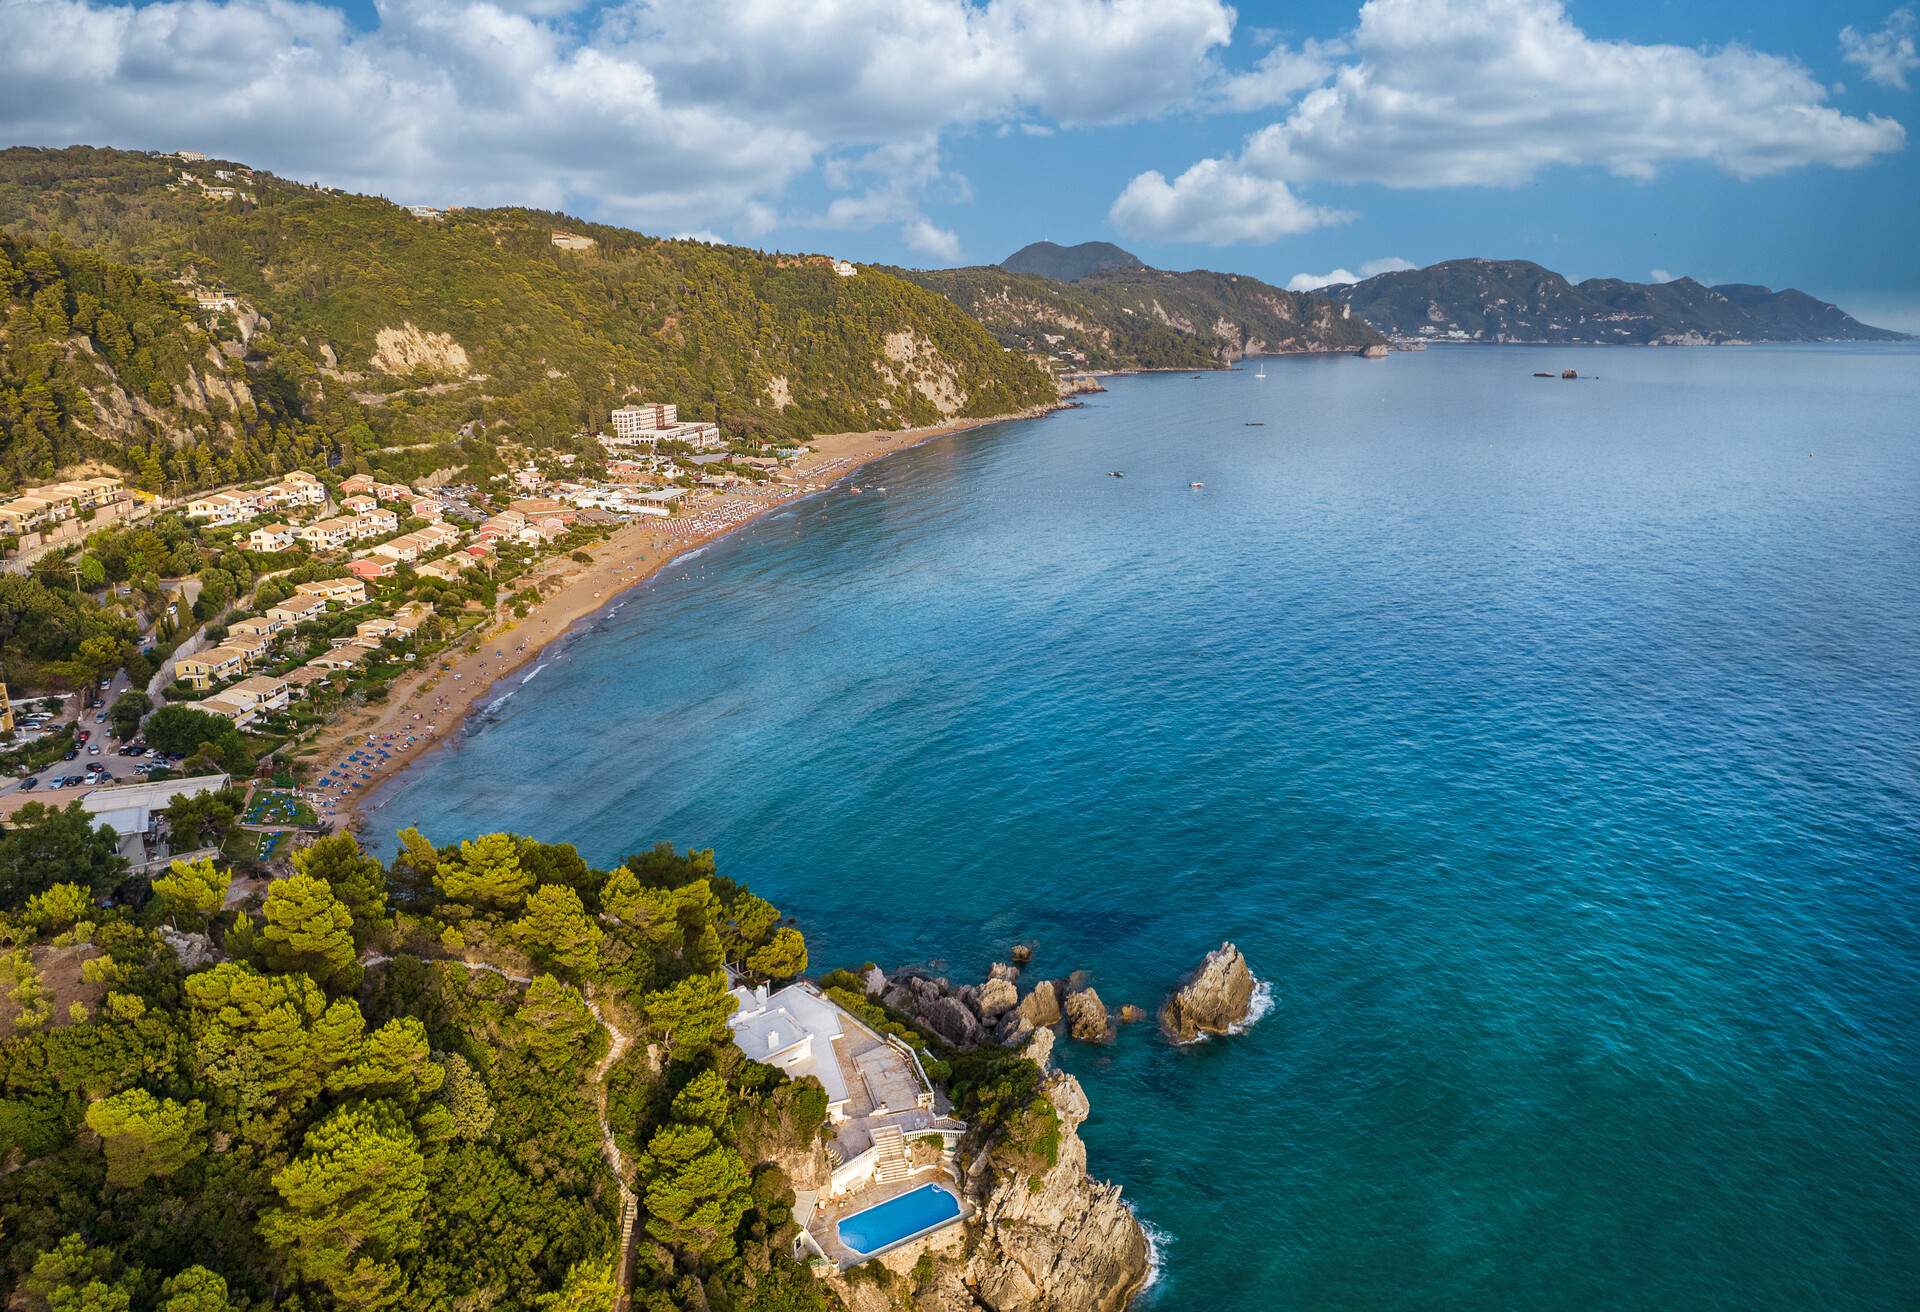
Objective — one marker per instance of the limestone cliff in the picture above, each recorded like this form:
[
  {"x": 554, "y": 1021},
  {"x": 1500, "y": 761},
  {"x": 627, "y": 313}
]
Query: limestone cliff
[{"x": 1059, "y": 1242}]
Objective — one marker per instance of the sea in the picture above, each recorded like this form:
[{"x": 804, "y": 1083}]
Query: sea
[{"x": 1551, "y": 749}]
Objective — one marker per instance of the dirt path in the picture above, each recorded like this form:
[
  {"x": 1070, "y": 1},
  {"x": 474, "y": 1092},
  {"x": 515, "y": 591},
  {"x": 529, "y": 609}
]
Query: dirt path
[{"x": 618, "y": 1043}]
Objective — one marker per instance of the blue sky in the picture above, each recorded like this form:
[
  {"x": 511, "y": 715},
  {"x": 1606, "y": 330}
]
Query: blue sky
[{"x": 1754, "y": 142}]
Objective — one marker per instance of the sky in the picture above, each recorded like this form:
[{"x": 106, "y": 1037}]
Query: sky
[{"x": 1760, "y": 141}]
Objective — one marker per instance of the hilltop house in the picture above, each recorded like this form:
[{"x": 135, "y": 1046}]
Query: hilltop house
[{"x": 878, "y": 1095}]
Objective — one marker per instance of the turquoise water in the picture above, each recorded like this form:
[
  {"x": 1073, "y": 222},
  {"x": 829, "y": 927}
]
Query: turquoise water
[
  {"x": 1553, "y": 749},
  {"x": 894, "y": 1220}
]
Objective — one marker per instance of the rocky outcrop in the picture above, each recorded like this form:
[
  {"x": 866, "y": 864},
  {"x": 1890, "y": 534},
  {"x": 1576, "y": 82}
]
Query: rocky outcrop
[
  {"x": 1042, "y": 1006},
  {"x": 1215, "y": 999},
  {"x": 407, "y": 350},
  {"x": 1056, "y": 1242},
  {"x": 1087, "y": 1018},
  {"x": 931, "y": 1005},
  {"x": 996, "y": 998},
  {"x": 193, "y": 950}
]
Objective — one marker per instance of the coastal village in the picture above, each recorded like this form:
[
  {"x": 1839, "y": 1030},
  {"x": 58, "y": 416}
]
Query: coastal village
[{"x": 341, "y": 622}]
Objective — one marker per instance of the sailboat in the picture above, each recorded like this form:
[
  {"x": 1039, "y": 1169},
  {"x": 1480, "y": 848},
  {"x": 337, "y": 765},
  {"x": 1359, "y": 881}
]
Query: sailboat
[{"x": 1263, "y": 370}]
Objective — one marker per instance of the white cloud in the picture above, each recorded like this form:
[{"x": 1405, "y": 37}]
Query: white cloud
[
  {"x": 1309, "y": 282},
  {"x": 1886, "y": 56},
  {"x": 671, "y": 114},
  {"x": 1457, "y": 93},
  {"x": 936, "y": 243},
  {"x": 1660, "y": 275},
  {"x": 1281, "y": 74},
  {"x": 1215, "y": 202}
]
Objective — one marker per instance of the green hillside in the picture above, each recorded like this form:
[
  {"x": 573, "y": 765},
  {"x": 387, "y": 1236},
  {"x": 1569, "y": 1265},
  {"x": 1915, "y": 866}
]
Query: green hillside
[
  {"x": 419, "y": 328},
  {"x": 1070, "y": 263},
  {"x": 99, "y": 362},
  {"x": 1141, "y": 318}
]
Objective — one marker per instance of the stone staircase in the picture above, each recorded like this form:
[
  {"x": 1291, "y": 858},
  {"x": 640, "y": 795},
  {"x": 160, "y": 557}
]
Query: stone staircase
[{"x": 891, "y": 1161}]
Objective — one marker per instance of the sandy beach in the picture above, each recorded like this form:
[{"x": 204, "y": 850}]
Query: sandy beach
[{"x": 425, "y": 709}]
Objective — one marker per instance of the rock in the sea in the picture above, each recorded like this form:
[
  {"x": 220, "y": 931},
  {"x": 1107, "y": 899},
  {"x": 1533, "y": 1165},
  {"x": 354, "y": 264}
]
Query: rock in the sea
[
  {"x": 1213, "y": 1000},
  {"x": 996, "y": 998},
  {"x": 1001, "y": 970},
  {"x": 1130, "y": 1014},
  {"x": 1042, "y": 1006},
  {"x": 1022, "y": 953},
  {"x": 1087, "y": 1017}
]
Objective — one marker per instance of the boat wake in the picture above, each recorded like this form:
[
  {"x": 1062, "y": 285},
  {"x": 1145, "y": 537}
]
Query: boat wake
[{"x": 528, "y": 678}]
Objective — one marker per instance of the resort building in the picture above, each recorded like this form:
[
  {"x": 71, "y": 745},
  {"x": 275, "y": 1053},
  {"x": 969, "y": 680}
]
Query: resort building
[
  {"x": 630, "y": 421},
  {"x": 214, "y": 665},
  {"x": 256, "y": 626},
  {"x": 336, "y": 592},
  {"x": 249, "y": 699},
  {"x": 342, "y": 658},
  {"x": 271, "y": 537},
  {"x": 373, "y": 523},
  {"x": 327, "y": 534},
  {"x": 355, "y": 484},
  {"x": 298, "y": 609},
  {"x": 359, "y": 505}
]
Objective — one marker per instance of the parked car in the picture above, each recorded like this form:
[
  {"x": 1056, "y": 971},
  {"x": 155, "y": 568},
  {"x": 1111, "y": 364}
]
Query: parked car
[
  {"x": 72, "y": 754},
  {"x": 28, "y": 785}
]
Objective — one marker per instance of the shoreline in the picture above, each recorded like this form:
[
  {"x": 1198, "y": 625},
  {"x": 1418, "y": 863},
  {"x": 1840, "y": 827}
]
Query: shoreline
[{"x": 434, "y": 703}]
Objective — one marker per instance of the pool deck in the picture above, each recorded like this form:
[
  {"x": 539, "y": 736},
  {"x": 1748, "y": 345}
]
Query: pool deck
[{"x": 825, "y": 1223}]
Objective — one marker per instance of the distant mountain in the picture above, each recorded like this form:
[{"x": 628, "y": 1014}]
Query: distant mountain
[
  {"x": 1126, "y": 315},
  {"x": 1519, "y": 301},
  {"x": 1070, "y": 263}
]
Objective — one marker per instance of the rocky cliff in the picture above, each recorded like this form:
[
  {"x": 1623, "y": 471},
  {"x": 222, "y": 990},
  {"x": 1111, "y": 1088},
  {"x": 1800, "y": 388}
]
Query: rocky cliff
[{"x": 1057, "y": 1242}]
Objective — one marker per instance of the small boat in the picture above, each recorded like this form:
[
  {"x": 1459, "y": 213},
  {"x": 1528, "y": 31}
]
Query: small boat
[
  {"x": 1255, "y": 423},
  {"x": 1196, "y": 485},
  {"x": 1115, "y": 473},
  {"x": 1263, "y": 370}
]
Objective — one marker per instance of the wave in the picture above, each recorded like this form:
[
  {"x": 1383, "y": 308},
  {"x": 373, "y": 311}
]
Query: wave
[
  {"x": 1158, "y": 1241},
  {"x": 529, "y": 675},
  {"x": 1257, "y": 1007}
]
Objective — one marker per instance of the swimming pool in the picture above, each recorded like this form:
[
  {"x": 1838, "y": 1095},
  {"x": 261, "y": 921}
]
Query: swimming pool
[{"x": 887, "y": 1223}]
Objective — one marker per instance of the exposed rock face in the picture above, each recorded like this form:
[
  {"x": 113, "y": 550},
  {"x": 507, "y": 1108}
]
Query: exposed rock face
[
  {"x": 928, "y": 1002},
  {"x": 1213, "y": 1000},
  {"x": 1042, "y": 1006},
  {"x": 1059, "y": 1242},
  {"x": 407, "y": 349},
  {"x": 1087, "y": 1017},
  {"x": 193, "y": 950},
  {"x": 995, "y": 998}
]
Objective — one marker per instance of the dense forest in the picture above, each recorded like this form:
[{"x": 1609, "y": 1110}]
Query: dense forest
[
  {"x": 101, "y": 362},
  {"x": 382, "y": 1089},
  {"x": 361, "y": 318}
]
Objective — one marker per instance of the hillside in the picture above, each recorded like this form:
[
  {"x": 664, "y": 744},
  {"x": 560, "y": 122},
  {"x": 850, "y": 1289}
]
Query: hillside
[
  {"x": 1134, "y": 317},
  {"x": 385, "y": 330},
  {"x": 99, "y": 362},
  {"x": 1519, "y": 301},
  {"x": 1070, "y": 263}
]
